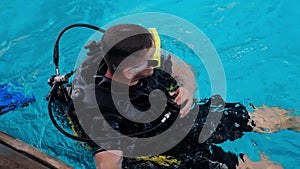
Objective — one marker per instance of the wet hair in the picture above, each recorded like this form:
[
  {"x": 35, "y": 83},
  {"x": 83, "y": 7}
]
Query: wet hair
[{"x": 121, "y": 41}]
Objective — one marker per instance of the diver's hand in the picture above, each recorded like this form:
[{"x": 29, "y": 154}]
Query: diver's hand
[
  {"x": 274, "y": 119},
  {"x": 264, "y": 163},
  {"x": 185, "y": 98}
]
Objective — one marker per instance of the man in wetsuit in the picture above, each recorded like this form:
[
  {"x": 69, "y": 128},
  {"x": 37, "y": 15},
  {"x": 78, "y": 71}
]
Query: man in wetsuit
[
  {"x": 128, "y": 62},
  {"x": 133, "y": 72}
]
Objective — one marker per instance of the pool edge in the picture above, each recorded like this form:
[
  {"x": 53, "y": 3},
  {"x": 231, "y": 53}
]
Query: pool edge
[{"x": 18, "y": 153}]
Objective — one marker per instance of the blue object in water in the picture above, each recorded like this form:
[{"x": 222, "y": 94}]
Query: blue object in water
[{"x": 11, "y": 99}]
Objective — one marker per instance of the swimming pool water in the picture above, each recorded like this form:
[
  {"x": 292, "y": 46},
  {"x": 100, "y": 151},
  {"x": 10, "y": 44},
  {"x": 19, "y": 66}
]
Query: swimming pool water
[{"x": 258, "y": 43}]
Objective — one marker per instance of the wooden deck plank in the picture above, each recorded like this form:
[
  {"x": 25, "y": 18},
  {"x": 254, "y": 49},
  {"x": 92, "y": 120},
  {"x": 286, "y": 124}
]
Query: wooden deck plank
[{"x": 15, "y": 153}]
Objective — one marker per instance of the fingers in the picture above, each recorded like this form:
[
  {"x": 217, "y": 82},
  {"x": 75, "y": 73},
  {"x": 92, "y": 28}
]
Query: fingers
[
  {"x": 182, "y": 95},
  {"x": 186, "y": 109},
  {"x": 185, "y": 99},
  {"x": 178, "y": 100},
  {"x": 264, "y": 163},
  {"x": 274, "y": 119}
]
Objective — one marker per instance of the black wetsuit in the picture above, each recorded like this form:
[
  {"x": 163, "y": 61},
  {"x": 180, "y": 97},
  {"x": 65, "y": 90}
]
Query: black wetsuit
[{"x": 188, "y": 151}]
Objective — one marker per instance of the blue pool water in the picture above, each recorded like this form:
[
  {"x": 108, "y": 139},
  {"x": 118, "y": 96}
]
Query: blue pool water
[{"x": 258, "y": 43}]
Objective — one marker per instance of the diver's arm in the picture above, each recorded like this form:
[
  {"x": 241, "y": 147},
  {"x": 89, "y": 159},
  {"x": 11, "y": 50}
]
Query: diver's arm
[
  {"x": 264, "y": 163},
  {"x": 111, "y": 159},
  {"x": 272, "y": 119},
  {"x": 181, "y": 71},
  {"x": 185, "y": 77}
]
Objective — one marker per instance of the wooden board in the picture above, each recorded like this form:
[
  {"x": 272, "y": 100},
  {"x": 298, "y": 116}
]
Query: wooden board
[{"x": 15, "y": 153}]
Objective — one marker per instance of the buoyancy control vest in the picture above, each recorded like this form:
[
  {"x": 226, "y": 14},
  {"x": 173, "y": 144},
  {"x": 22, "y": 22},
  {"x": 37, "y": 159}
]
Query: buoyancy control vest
[{"x": 163, "y": 109}]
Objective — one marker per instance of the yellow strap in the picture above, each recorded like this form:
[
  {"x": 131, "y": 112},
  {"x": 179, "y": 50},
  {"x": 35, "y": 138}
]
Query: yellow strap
[
  {"x": 72, "y": 126},
  {"x": 160, "y": 160},
  {"x": 156, "y": 39}
]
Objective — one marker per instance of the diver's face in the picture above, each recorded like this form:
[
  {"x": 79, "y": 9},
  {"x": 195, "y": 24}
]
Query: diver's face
[
  {"x": 142, "y": 69},
  {"x": 144, "y": 73}
]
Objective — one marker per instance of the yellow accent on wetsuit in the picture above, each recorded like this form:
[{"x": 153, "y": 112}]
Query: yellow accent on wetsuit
[
  {"x": 75, "y": 131},
  {"x": 156, "y": 39},
  {"x": 160, "y": 160}
]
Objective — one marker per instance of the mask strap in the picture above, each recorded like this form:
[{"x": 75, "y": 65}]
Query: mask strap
[{"x": 156, "y": 39}]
